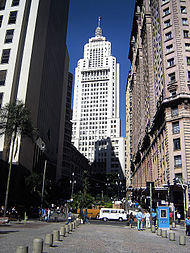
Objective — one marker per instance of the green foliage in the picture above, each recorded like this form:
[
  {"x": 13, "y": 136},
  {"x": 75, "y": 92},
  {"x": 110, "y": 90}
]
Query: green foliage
[{"x": 15, "y": 118}]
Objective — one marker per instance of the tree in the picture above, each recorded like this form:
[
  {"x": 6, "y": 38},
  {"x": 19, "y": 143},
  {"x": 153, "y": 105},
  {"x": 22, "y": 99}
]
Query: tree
[{"x": 15, "y": 121}]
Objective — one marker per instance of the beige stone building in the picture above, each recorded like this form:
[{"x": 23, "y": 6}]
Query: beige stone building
[{"x": 159, "y": 86}]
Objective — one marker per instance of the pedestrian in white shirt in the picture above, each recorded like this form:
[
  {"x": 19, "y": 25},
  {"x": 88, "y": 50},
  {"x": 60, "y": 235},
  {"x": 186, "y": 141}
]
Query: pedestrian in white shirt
[{"x": 147, "y": 219}]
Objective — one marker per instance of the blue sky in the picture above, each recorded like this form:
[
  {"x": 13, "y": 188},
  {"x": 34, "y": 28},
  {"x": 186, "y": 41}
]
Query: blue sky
[{"x": 116, "y": 24}]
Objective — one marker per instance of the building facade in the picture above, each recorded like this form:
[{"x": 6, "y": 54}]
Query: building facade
[
  {"x": 159, "y": 87},
  {"x": 34, "y": 69},
  {"x": 96, "y": 107}
]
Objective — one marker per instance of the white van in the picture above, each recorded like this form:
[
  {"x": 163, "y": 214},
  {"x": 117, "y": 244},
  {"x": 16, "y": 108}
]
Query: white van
[{"x": 112, "y": 214}]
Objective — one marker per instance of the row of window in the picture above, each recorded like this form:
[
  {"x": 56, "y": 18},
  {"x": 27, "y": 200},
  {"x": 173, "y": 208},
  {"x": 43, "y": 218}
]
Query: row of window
[
  {"x": 12, "y": 18},
  {"x": 3, "y": 4}
]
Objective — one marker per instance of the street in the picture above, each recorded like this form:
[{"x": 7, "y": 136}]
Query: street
[{"x": 97, "y": 237}]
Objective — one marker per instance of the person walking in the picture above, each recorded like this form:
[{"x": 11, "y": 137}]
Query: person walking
[
  {"x": 187, "y": 223},
  {"x": 178, "y": 217},
  {"x": 147, "y": 219},
  {"x": 86, "y": 217},
  {"x": 139, "y": 217},
  {"x": 131, "y": 218},
  {"x": 69, "y": 217}
]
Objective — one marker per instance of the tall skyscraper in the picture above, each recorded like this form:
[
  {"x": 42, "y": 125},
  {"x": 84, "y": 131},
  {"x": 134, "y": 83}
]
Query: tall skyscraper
[
  {"x": 34, "y": 69},
  {"x": 159, "y": 88},
  {"x": 96, "y": 108}
]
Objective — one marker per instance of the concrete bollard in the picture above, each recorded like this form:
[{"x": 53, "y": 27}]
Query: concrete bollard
[
  {"x": 62, "y": 232},
  {"x": 48, "y": 240},
  {"x": 153, "y": 229},
  {"x": 172, "y": 236},
  {"x": 164, "y": 233},
  {"x": 67, "y": 228},
  {"x": 22, "y": 249},
  {"x": 37, "y": 245},
  {"x": 173, "y": 224},
  {"x": 182, "y": 240},
  {"x": 159, "y": 231},
  {"x": 56, "y": 236}
]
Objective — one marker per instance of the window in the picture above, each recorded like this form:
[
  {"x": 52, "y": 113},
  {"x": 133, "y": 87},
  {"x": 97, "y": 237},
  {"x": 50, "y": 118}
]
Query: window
[
  {"x": 188, "y": 76},
  {"x": 176, "y": 143},
  {"x": 1, "y": 19},
  {"x": 2, "y": 4},
  {"x": 12, "y": 17},
  {"x": 169, "y": 48},
  {"x": 175, "y": 127},
  {"x": 3, "y": 74},
  {"x": 177, "y": 161},
  {"x": 15, "y": 2},
  {"x": 167, "y": 23},
  {"x": 9, "y": 36},
  {"x": 174, "y": 111},
  {"x": 169, "y": 36},
  {"x": 165, "y": 1},
  {"x": 184, "y": 21},
  {"x": 1, "y": 99},
  {"x": 179, "y": 176},
  {"x": 172, "y": 77},
  {"x": 171, "y": 62},
  {"x": 166, "y": 11},
  {"x": 183, "y": 9},
  {"x": 187, "y": 46},
  {"x": 186, "y": 34},
  {"x": 188, "y": 60},
  {"x": 5, "y": 56}
]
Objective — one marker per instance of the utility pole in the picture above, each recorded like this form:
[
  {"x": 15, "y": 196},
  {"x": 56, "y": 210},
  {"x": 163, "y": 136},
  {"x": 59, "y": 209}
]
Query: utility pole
[
  {"x": 43, "y": 183},
  {"x": 151, "y": 204}
]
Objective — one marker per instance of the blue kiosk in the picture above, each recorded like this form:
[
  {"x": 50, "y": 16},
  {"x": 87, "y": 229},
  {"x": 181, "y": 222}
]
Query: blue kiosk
[{"x": 163, "y": 220}]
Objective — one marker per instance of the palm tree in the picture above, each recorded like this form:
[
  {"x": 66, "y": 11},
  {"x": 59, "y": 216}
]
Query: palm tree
[{"x": 14, "y": 121}]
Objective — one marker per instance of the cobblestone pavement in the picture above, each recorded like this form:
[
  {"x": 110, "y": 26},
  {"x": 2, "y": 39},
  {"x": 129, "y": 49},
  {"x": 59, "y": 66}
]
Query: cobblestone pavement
[{"x": 91, "y": 238}]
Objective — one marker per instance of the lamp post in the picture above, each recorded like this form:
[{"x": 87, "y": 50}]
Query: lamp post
[{"x": 72, "y": 182}]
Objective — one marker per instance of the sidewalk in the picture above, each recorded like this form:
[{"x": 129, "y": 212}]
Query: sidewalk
[{"x": 91, "y": 238}]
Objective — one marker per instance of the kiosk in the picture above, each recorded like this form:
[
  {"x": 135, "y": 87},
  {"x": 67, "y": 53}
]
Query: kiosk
[{"x": 163, "y": 220}]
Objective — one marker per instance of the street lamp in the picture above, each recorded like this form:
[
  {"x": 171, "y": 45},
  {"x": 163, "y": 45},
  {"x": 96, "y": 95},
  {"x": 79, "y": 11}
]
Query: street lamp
[{"x": 72, "y": 182}]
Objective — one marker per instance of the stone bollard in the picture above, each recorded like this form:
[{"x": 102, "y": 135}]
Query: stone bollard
[
  {"x": 173, "y": 224},
  {"x": 159, "y": 231},
  {"x": 67, "y": 228},
  {"x": 62, "y": 232},
  {"x": 56, "y": 236},
  {"x": 22, "y": 249},
  {"x": 37, "y": 245},
  {"x": 172, "y": 236},
  {"x": 78, "y": 222},
  {"x": 182, "y": 240},
  {"x": 48, "y": 240},
  {"x": 153, "y": 229},
  {"x": 75, "y": 224},
  {"x": 164, "y": 233}
]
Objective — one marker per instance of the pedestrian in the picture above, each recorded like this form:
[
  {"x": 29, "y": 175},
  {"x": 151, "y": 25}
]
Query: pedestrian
[
  {"x": 154, "y": 216},
  {"x": 147, "y": 219},
  {"x": 48, "y": 214},
  {"x": 139, "y": 217},
  {"x": 187, "y": 223},
  {"x": 131, "y": 218},
  {"x": 86, "y": 216},
  {"x": 178, "y": 217},
  {"x": 171, "y": 216},
  {"x": 69, "y": 217}
]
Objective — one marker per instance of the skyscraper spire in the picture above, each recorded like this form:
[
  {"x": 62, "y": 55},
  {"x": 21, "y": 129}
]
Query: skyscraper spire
[
  {"x": 99, "y": 20},
  {"x": 98, "y": 32}
]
